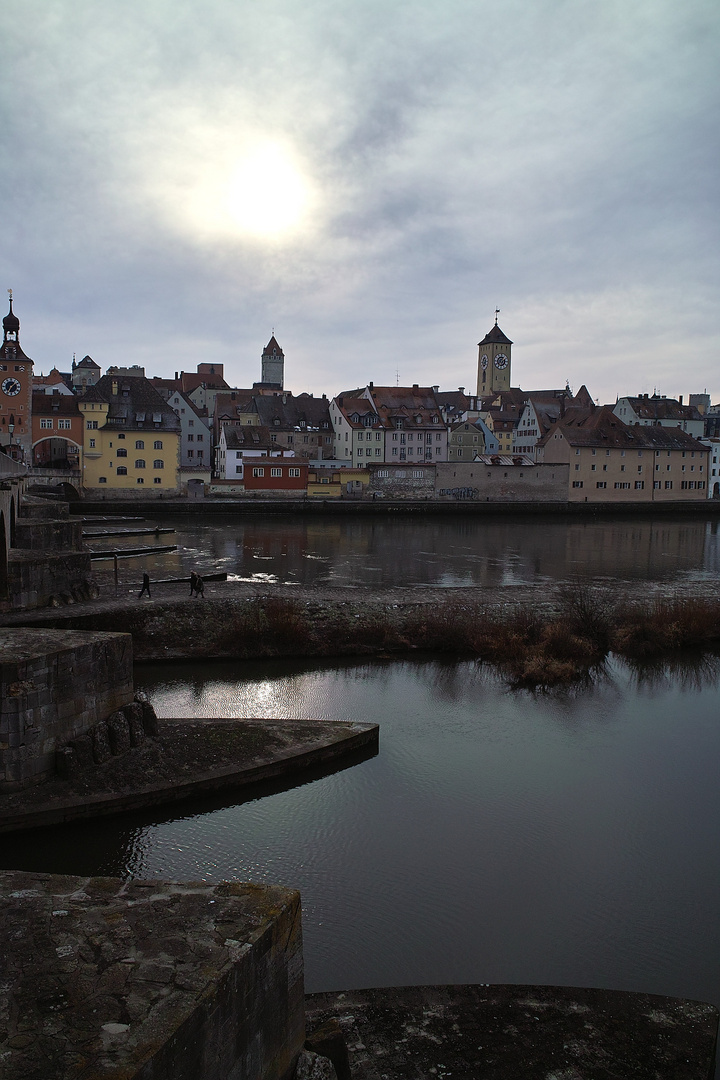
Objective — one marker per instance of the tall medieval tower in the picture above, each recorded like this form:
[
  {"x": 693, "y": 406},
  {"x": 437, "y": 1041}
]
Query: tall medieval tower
[
  {"x": 494, "y": 362},
  {"x": 15, "y": 391},
  {"x": 273, "y": 364}
]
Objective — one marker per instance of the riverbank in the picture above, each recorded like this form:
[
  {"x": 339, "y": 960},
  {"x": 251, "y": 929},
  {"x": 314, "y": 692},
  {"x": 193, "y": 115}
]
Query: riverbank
[
  {"x": 189, "y": 759},
  {"x": 156, "y": 506},
  {"x": 539, "y": 635}
]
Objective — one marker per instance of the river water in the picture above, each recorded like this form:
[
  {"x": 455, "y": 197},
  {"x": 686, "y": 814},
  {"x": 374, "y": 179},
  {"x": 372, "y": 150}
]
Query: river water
[
  {"x": 498, "y": 836},
  {"x": 445, "y": 551}
]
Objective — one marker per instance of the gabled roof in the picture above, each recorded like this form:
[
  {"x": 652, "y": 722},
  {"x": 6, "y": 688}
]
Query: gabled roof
[
  {"x": 136, "y": 406},
  {"x": 249, "y": 438},
  {"x": 272, "y": 347},
  {"x": 303, "y": 412},
  {"x": 495, "y": 337},
  {"x": 53, "y": 404},
  {"x": 87, "y": 362},
  {"x": 600, "y": 427},
  {"x": 660, "y": 408}
]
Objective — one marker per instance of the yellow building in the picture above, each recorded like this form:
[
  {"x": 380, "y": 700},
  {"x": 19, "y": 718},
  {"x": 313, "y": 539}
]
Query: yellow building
[
  {"x": 612, "y": 462},
  {"x": 131, "y": 438}
]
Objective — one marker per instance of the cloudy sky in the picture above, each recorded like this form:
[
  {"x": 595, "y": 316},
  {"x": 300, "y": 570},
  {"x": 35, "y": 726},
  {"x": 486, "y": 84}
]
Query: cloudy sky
[{"x": 371, "y": 180}]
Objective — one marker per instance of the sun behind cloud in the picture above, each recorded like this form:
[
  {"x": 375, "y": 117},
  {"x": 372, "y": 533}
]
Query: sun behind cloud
[{"x": 266, "y": 193}]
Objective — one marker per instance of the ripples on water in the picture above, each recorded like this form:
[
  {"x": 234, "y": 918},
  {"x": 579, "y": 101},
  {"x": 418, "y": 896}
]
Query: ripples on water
[{"x": 497, "y": 836}]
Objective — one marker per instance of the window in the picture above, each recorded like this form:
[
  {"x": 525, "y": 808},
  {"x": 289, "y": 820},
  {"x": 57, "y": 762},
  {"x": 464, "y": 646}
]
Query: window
[
  {"x": 601, "y": 484},
  {"x": 121, "y": 452},
  {"x": 191, "y": 438},
  {"x": 293, "y": 472},
  {"x": 191, "y": 423},
  {"x": 190, "y": 454},
  {"x": 199, "y": 438},
  {"x": 622, "y": 486},
  {"x": 121, "y": 470},
  {"x": 258, "y": 472},
  {"x": 577, "y": 483},
  {"x": 139, "y": 445},
  {"x": 63, "y": 425},
  {"x": 140, "y": 463},
  {"x": 46, "y": 423},
  {"x": 158, "y": 463},
  {"x": 639, "y": 485},
  {"x": 102, "y": 479},
  {"x": 121, "y": 435},
  {"x": 92, "y": 444},
  {"x": 577, "y": 468},
  {"x": 157, "y": 479},
  {"x": 593, "y": 468},
  {"x": 91, "y": 425},
  {"x": 157, "y": 445},
  {"x": 276, "y": 472},
  {"x": 668, "y": 485},
  {"x": 139, "y": 480}
]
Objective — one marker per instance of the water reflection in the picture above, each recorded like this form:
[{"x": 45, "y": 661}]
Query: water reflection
[
  {"x": 497, "y": 837},
  {"x": 446, "y": 551}
]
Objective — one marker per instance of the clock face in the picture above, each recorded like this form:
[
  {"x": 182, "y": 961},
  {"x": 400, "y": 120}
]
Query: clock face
[
  {"x": 11, "y": 387},
  {"x": 484, "y": 362},
  {"x": 501, "y": 361}
]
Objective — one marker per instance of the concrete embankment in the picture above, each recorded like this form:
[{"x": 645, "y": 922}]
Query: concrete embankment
[
  {"x": 513, "y": 1032},
  {"x": 347, "y": 507},
  {"x": 189, "y": 759}
]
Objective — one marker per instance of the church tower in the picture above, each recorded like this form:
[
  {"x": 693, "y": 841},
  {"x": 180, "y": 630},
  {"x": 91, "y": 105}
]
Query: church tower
[
  {"x": 15, "y": 390},
  {"x": 494, "y": 361},
  {"x": 273, "y": 364}
]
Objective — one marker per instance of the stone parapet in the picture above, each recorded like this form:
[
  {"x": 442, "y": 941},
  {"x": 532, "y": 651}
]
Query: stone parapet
[
  {"x": 38, "y": 579},
  {"x": 148, "y": 980},
  {"x": 32, "y": 534},
  {"x": 54, "y": 687}
]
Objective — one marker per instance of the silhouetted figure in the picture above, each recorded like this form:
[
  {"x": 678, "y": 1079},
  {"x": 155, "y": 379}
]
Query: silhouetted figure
[
  {"x": 193, "y": 581},
  {"x": 198, "y": 586},
  {"x": 145, "y": 587}
]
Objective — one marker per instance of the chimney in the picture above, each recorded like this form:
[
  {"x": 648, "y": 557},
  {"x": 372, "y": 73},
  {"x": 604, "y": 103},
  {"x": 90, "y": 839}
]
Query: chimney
[
  {"x": 562, "y": 406},
  {"x": 176, "y": 376},
  {"x": 114, "y": 387},
  {"x": 415, "y": 386},
  {"x": 370, "y": 385},
  {"x": 461, "y": 389},
  {"x": 680, "y": 399}
]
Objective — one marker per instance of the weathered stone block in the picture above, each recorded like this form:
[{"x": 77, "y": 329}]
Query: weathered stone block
[
  {"x": 150, "y": 720},
  {"x": 118, "y": 732},
  {"x": 83, "y": 747},
  {"x": 101, "y": 743},
  {"x": 135, "y": 723},
  {"x": 66, "y": 762},
  {"x": 244, "y": 1019}
]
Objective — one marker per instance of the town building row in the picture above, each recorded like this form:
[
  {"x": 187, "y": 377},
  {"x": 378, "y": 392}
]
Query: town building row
[{"x": 123, "y": 433}]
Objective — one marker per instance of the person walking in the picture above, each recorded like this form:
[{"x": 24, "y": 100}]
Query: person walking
[{"x": 145, "y": 587}]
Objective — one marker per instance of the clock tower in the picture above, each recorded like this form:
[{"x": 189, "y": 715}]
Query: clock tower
[
  {"x": 493, "y": 361},
  {"x": 15, "y": 391}
]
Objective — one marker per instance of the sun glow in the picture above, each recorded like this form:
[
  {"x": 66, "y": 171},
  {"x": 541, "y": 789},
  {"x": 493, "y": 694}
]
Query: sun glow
[
  {"x": 260, "y": 193},
  {"x": 266, "y": 193}
]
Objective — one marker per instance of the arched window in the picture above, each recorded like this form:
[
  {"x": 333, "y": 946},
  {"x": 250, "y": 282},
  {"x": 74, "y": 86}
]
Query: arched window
[
  {"x": 139, "y": 445},
  {"x": 158, "y": 463},
  {"x": 121, "y": 470},
  {"x": 157, "y": 445},
  {"x": 121, "y": 452},
  {"x": 102, "y": 479},
  {"x": 140, "y": 463},
  {"x": 140, "y": 480}
]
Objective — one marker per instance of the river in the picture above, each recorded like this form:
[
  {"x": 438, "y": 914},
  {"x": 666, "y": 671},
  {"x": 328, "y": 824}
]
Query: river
[
  {"x": 498, "y": 836},
  {"x": 443, "y": 550}
]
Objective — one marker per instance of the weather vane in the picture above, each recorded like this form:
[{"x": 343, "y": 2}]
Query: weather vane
[{"x": 497, "y": 312}]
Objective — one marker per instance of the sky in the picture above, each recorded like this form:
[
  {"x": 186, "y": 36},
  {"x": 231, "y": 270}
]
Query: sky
[{"x": 369, "y": 181}]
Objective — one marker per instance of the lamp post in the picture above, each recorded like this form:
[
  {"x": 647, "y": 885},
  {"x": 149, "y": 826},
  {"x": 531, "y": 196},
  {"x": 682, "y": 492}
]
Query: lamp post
[{"x": 11, "y": 429}]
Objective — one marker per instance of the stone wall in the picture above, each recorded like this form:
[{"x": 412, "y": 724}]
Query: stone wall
[
  {"x": 407, "y": 481},
  {"x": 149, "y": 980},
  {"x": 54, "y": 687},
  {"x": 478, "y": 482}
]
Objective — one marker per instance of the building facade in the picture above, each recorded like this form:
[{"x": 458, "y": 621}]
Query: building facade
[{"x": 15, "y": 392}]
